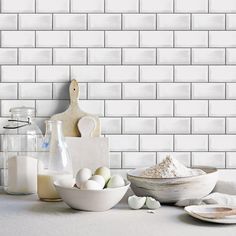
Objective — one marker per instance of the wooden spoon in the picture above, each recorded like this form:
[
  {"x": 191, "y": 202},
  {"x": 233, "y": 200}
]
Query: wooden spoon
[{"x": 217, "y": 212}]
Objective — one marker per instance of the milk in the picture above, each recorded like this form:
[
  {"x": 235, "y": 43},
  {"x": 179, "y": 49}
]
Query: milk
[
  {"x": 46, "y": 189},
  {"x": 22, "y": 175}
]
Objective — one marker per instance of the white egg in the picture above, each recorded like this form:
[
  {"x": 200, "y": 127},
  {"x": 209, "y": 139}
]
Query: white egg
[
  {"x": 104, "y": 172},
  {"x": 152, "y": 203},
  {"x": 90, "y": 185},
  {"x": 136, "y": 202},
  {"x": 99, "y": 179},
  {"x": 67, "y": 182},
  {"x": 116, "y": 181},
  {"x": 82, "y": 175}
]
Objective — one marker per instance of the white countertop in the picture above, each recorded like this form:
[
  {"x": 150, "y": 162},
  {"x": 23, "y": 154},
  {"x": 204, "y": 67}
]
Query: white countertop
[{"x": 25, "y": 215}]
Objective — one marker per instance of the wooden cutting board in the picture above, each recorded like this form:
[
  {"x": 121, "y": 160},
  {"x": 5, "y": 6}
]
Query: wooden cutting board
[{"x": 72, "y": 115}]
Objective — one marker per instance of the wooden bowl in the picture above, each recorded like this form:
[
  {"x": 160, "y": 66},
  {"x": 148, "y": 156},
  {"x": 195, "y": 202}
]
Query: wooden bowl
[{"x": 171, "y": 190}]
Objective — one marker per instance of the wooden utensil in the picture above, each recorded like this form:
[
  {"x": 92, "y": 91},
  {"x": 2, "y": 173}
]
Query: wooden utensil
[
  {"x": 217, "y": 212},
  {"x": 73, "y": 114}
]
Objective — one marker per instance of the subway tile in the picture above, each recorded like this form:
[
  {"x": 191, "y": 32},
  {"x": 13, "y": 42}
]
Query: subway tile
[
  {"x": 104, "y": 22},
  {"x": 173, "y": 91},
  {"x": 121, "y": 6},
  {"x": 191, "y": 73},
  {"x": 115, "y": 160},
  {"x": 139, "y": 22},
  {"x": 160, "y": 6},
  {"x": 191, "y": 142},
  {"x": 7, "y": 104},
  {"x": 208, "y": 56},
  {"x": 139, "y": 91},
  {"x": 208, "y": 91},
  {"x": 139, "y": 126},
  {"x": 208, "y": 21},
  {"x": 138, "y": 159},
  {"x": 17, "y": 38},
  {"x": 104, "y": 91},
  {"x": 156, "y": 39},
  {"x": 17, "y": 74},
  {"x": 52, "y": 39},
  {"x": 95, "y": 107},
  {"x": 222, "y": 108},
  {"x": 231, "y": 90},
  {"x": 231, "y": 125},
  {"x": 69, "y": 22},
  {"x": 46, "y": 108},
  {"x": 8, "y": 90},
  {"x": 123, "y": 142},
  {"x": 208, "y": 125},
  {"x": 182, "y": 157},
  {"x": 121, "y": 73},
  {"x": 110, "y": 125},
  {"x": 104, "y": 56},
  {"x": 222, "y": 73},
  {"x": 191, "y": 108},
  {"x": 173, "y": 125},
  {"x": 230, "y": 21},
  {"x": 213, "y": 159},
  {"x": 156, "y": 108},
  {"x": 156, "y": 142},
  {"x": 35, "y": 91},
  {"x": 191, "y": 6},
  {"x": 18, "y": 6},
  {"x": 139, "y": 56},
  {"x": 156, "y": 74},
  {"x": 87, "y": 6},
  {"x": 173, "y": 56},
  {"x": 191, "y": 38},
  {"x": 88, "y": 73},
  {"x": 222, "y": 143},
  {"x": 222, "y": 39},
  {"x": 52, "y": 73},
  {"x": 8, "y": 21},
  {"x": 173, "y": 21},
  {"x": 8, "y": 56},
  {"x": 222, "y": 6},
  {"x": 35, "y": 22},
  {"x": 121, "y": 108},
  {"x": 122, "y": 39},
  {"x": 52, "y": 6},
  {"x": 69, "y": 56},
  {"x": 230, "y": 160},
  {"x": 231, "y": 56},
  {"x": 87, "y": 39},
  {"x": 35, "y": 56}
]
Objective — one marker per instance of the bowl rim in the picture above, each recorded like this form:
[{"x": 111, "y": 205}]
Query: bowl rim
[
  {"x": 214, "y": 170},
  {"x": 127, "y": 184}
]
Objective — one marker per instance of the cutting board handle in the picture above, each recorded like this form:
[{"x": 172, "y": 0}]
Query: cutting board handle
[{"x": 74, "y": 92}]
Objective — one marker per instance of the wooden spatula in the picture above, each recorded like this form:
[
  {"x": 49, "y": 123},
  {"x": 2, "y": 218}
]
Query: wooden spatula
[
  {"x": 72, "y": 115},
  {"x": 217, "y": 213}
]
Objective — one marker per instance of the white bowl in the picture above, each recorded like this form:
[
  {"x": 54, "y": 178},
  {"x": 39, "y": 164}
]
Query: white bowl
[
  {"x": 171, "y": 190},
  {"x": 91, "y": 200}
]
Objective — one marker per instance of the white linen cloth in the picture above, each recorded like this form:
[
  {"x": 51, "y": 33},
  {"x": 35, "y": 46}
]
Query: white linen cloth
[{"x": 224, "y": 193}]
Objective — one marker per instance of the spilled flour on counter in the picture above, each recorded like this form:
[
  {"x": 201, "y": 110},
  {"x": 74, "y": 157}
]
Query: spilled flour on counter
[{"x": 170, "y": 168}]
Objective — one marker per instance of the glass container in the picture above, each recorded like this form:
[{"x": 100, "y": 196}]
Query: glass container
[
  {"x": 21, "y": 147},
  {"x": 58, "y": 164}
]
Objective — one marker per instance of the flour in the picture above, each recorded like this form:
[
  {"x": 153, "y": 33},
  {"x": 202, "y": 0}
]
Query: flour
[{"x": 170, "y": 168}]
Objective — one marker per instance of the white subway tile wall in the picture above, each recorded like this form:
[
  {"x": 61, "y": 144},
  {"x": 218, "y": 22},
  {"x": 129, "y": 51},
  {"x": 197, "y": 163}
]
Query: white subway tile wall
[{"x": 161, "y": 74}]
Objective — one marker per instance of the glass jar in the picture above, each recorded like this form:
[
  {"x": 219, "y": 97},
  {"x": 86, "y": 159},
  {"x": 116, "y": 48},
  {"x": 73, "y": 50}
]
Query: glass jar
[
  {"x": 21, "y": 146},
  {"x": 57, "y": 166}
]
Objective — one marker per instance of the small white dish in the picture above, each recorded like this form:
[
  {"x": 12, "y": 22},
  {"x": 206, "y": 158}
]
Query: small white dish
[
  {"x": 91, "y": 200},
  {"x": 193, "y": 210}
]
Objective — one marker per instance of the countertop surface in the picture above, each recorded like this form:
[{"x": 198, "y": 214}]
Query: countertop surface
[{"x": 26, "y": 215}]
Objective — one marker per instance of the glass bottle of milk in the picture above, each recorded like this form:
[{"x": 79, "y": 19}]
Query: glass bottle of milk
[{"x": 56, "y": 165}]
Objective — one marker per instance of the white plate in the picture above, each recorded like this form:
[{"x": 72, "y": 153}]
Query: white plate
[{"x": 202, "y": 208}]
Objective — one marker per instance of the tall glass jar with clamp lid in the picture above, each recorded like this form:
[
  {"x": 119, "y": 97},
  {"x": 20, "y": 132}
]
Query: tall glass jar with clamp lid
[{"x": 21, "y": 147}]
